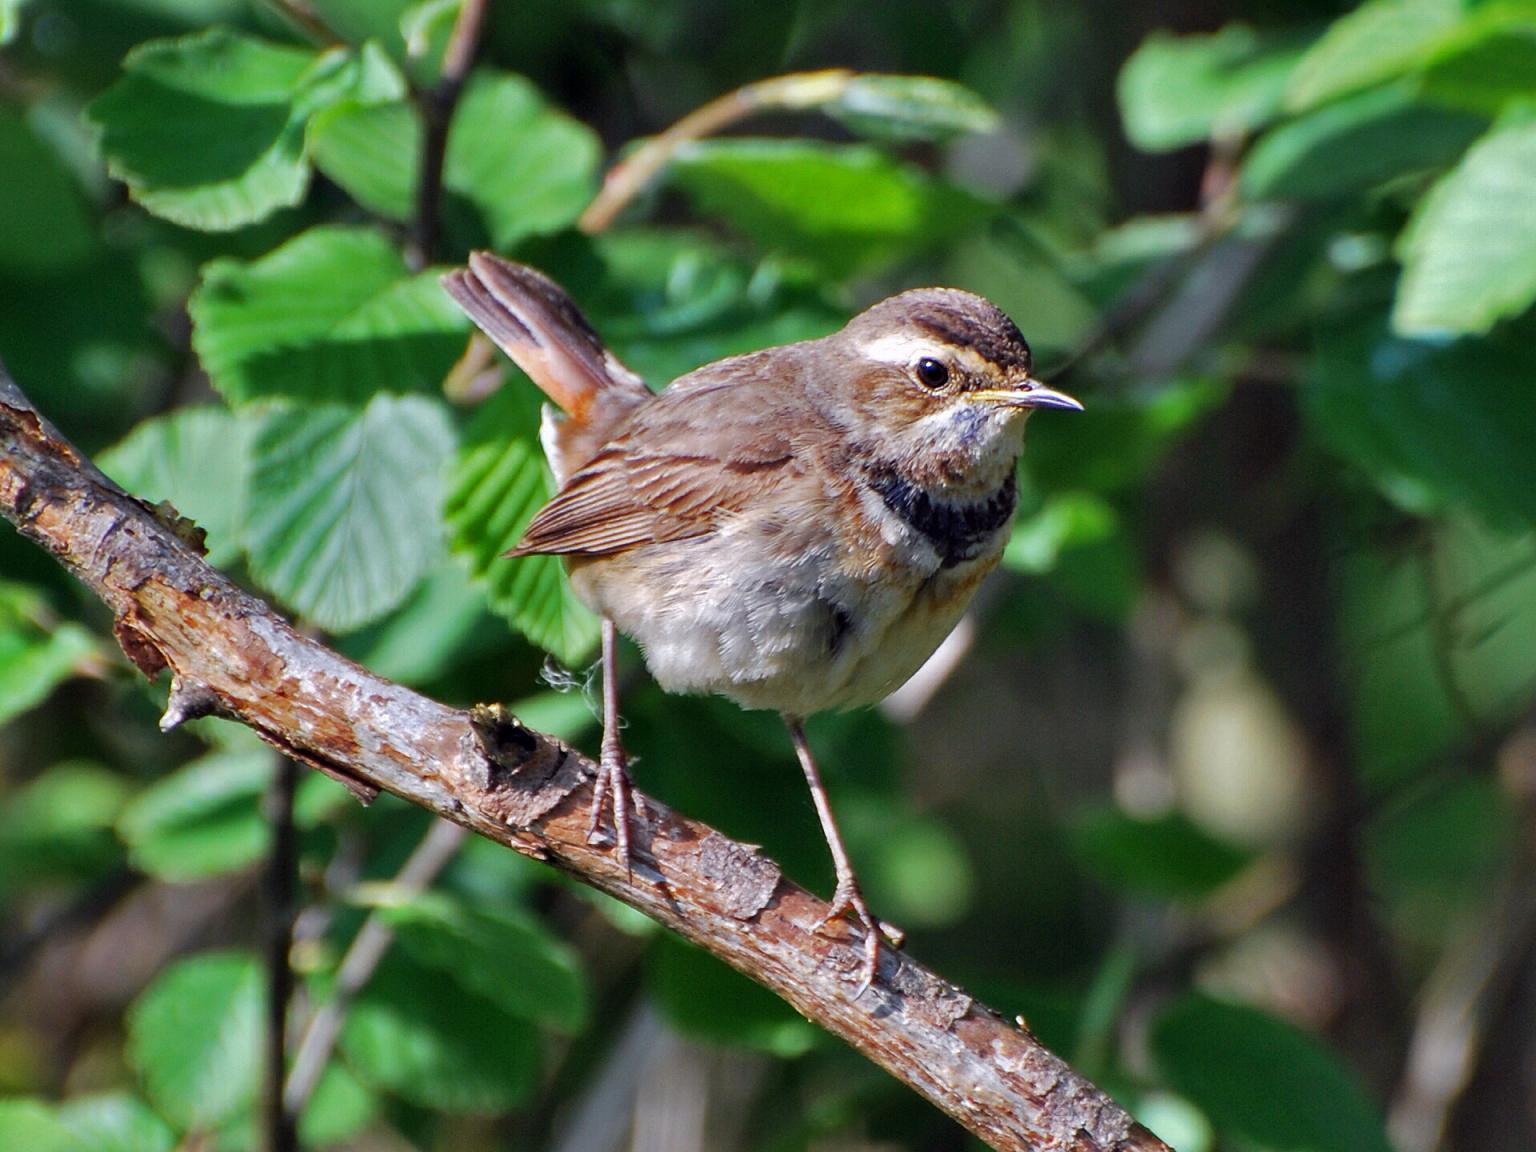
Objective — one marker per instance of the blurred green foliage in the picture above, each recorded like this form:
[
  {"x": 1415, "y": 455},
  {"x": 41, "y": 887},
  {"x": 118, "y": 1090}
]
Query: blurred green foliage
[{"x": 1231, "y": 797}]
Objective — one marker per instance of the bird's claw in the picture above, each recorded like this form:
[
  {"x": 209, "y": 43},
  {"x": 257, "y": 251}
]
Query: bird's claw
[
  {"x": 848, "y": 904},
  {"x": 612, "y": 792}
]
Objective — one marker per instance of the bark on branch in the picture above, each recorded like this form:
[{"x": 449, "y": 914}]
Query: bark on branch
[{"x": 230, "y": 653}]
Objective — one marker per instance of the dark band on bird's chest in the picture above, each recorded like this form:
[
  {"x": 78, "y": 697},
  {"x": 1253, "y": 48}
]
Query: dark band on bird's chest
[{"x": 958, "y": 532}]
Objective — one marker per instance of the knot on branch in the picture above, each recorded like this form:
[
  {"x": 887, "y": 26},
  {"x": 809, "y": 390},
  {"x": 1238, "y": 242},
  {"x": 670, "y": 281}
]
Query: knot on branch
[{"x": 527, "y": 773}]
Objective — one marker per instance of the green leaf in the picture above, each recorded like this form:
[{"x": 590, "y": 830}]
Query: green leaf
[
  {"x": 1261, "y": 1080},
  {"x": 1470, "y": 825},
  {"x": 497, "y": 484},
  {"x": 1167, "y": 858},
  {"x": 194, "y": 1037},
  {"x": 1377, "y": 41},
  {"x": 199, "y": 460},
  {"x": 373, "y": 151},
  {"x": 60, "y": 824},
  {"x": 10, "y": 20},
  {"x": 45, "y": 223},
  {"x": 842, "y": 207},
  {"x": 1488, "y": 64},
  {"x": 1469, "y": 253},
  {"x": 205, "y": 129},
  {"x": 1066, "y": 520},
  {"x": 1433, "y": 423},
  {"x": 340, "y": 1108},
  {"x": 1355, "y": 144},
  {"x": 910, "y": 107},
  {"x": 422, "y": 642},
  {"x": 670, "y": 300},
  {"x": 1180, "y": 90},
  {"x": 716, "y": 1004},
  {"x": 204, "y": 819},
  {"x": 330, "y": 316},
  {"x": 528, "y": 168},
  {"x": 431, "y": 1042},
  {"x": 344, "y": 518},
  {"x": 33, "y": 1125},
  {"x": 113, "y": 1123},
  {"x": 1436, "y": 632},
  {"x": 37, "y": 652},
  {"x": 480, "y": 949}
]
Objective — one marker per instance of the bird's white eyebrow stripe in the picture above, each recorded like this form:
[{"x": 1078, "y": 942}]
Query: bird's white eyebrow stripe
[
  {"x": 902, "y": 350},
  {"x": 897, "y": 348}
]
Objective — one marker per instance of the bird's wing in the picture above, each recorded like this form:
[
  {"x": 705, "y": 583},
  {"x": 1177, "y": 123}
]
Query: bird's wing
[{"x": 671, "y": 473}]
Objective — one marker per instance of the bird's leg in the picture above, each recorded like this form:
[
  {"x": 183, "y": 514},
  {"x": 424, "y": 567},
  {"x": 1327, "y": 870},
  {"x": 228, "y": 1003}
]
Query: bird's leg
[
  {"x": 848, "y": 898},
  {"x": 612, "y": 775}
]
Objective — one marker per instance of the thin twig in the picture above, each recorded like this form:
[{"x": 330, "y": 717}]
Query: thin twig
[
  {"x": 303, "y": 15},
  {"x": 629, "y": 177},
  {"x": 436, "y": 850},
  {"x": 530, "y": 792},
  {"x": 437, "y": 106},
  {"x": 278, "y": 913}
]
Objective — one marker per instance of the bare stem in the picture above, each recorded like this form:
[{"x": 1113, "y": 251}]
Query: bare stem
[
  {"x": 437, "y": 107},
  {"x": 282, "y": 865},
  {"x": 436, "y": 850},
  {"x": 629, "y": 178}
]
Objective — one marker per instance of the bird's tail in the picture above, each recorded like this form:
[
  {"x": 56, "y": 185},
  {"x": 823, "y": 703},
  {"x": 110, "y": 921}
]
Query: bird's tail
[{"x": 535, "y": 322}]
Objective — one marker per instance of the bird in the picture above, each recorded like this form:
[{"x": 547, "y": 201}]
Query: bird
[{"x": 796, "y": 529}]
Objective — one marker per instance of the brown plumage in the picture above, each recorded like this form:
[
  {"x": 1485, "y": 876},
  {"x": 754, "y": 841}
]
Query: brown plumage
[{"x": 797, "y": 528}]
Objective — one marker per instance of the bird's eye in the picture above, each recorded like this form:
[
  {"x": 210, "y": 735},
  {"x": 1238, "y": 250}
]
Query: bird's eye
[{"x": 932, "y": 373}]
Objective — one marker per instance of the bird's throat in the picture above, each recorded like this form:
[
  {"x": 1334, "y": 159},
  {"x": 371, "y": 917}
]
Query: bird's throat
[{"x": 958, "y": 530}]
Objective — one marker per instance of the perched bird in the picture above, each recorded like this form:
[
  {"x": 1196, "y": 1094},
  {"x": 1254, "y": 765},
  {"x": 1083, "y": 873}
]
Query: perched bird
[{"x": 796, "y": 529}]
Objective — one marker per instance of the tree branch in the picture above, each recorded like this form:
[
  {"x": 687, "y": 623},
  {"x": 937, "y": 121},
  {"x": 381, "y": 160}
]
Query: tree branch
[{"x": 230, "y": 653}]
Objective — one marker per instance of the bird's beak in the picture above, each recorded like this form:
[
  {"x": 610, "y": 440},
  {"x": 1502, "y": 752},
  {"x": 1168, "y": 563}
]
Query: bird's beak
[{"x": 1031, "y": 394}]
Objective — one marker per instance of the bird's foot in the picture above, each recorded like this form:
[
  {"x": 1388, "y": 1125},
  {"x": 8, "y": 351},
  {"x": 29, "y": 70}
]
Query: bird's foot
[
  {"x": 612, "y": 792},
  {"x": 848, "y": 903}
]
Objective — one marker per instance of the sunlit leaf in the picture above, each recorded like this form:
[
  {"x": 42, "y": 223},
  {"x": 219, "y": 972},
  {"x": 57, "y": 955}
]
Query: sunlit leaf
[
  {"x": 205, "y": 129},
  {"x": 33, "y": 1125},
  {"x": 1261, "y": 1079},
  {"x": 910, "y": 107},
  {"x": 528, "y": 168},
  {"x": 198, "y": 459},
  {"x": 498, "y": 482},
  {"x": 345, "y": 516},
  {"x": 331, "y": 315},
  {"x": 373, "y": 151},
  {"x": 842, "y": 207},
  {"x": 1376, "y": 42},
  {"x": 1469, "y": 253},
  {"x": 194, "y": 1038},
  {"x": 115, "y": 1123},
  {"x": 524, "y": 167},
  {"x": 1180, "y": 90}
]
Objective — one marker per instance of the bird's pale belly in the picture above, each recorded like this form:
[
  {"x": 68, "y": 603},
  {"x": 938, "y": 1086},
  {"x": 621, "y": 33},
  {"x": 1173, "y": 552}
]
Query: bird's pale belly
[{"x": 729, "y": 613}]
